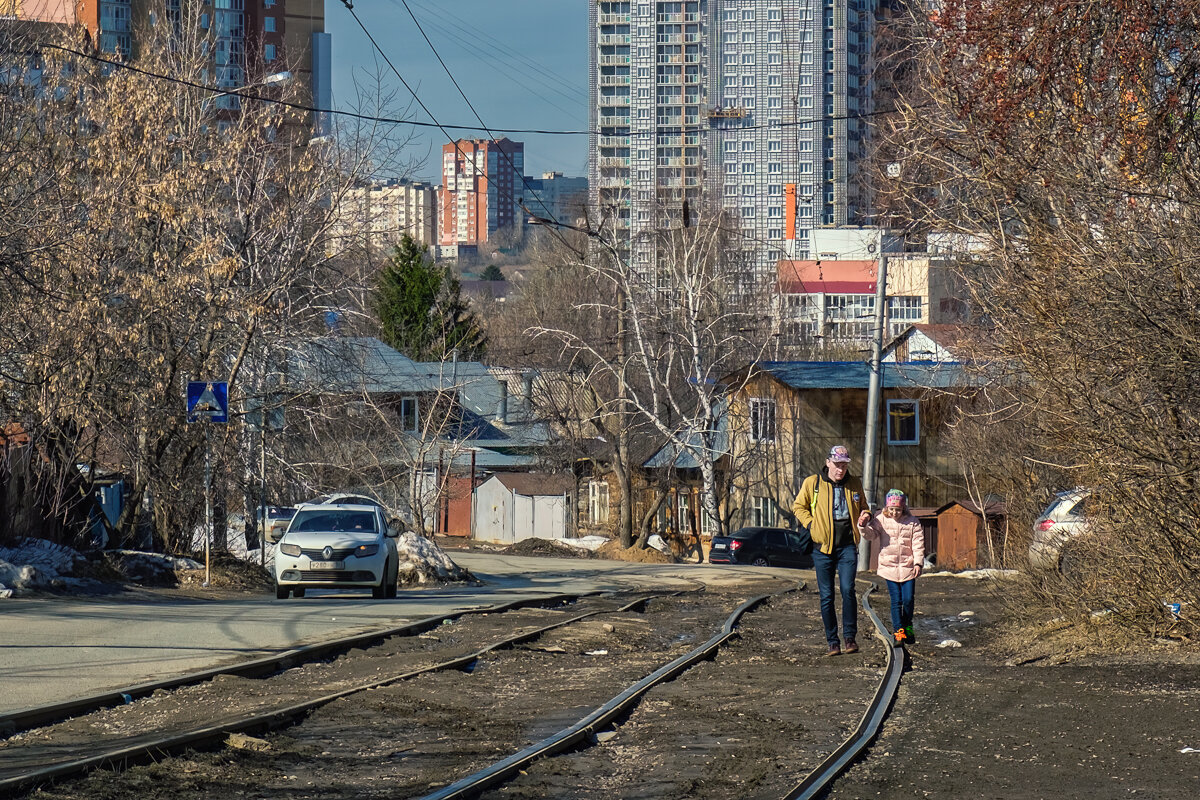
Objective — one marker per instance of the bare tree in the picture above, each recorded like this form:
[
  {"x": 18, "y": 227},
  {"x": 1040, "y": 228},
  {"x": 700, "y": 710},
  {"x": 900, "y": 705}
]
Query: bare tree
[{"x": 1059, "y": 141}]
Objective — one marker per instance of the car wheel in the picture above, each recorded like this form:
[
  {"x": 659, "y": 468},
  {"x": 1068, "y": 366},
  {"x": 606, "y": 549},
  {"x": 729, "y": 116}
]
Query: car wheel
[
  {"x": 298, "y": 591},
  {"x": 281, "y": 592},
  {"x": 380, "y": 592},
  {"x": 761, "y": 561},
  {"x": 392, "y": 588}
]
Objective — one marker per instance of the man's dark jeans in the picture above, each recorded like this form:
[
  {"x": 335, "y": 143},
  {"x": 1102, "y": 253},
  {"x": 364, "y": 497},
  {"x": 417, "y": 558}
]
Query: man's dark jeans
[{"x": 842, "y": 564}]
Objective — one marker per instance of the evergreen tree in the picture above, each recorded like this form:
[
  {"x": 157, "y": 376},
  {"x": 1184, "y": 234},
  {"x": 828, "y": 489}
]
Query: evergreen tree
[
  {"x": 420, "y": 308},
  {"x": 492, "y": 273}
]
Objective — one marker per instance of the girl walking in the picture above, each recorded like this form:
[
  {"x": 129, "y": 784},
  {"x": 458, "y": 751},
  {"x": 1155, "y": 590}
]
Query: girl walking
[{"x": 901, "y": 555}]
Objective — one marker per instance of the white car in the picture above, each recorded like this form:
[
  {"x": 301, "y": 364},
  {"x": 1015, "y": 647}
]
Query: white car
[
  {"x": 334, "y": 546},
  {"x": 1063, "y": 520}
]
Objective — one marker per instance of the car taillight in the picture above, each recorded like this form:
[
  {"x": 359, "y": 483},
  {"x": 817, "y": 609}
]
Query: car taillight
[
  {"x": 1045, "y": 525},
  {"x": 735, "y": 544}
]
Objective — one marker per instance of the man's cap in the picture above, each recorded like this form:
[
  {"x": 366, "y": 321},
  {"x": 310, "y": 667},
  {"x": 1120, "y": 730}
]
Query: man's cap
[
  {"x": 895, "y": 499},
  {"x": 839, "y": 453}
]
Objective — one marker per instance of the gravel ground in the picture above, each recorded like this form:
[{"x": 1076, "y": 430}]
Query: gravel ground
[{"x": 984, "y": 710}]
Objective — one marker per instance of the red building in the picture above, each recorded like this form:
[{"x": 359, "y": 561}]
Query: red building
[{"x": 482, "y": 189}]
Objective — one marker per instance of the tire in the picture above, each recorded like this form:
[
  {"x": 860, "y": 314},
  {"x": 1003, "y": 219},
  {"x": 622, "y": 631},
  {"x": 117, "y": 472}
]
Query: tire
[
  {"x": 392, "y": 588},
  {"x": 298, "y": 591},
  {"x": 380, "y": 592},
  {"x": 760, "y": 561},
  {"x": 281, "y": 592}
]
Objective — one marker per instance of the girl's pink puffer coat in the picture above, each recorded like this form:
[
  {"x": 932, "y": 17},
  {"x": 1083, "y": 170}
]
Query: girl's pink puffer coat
[{"x": 901, "y": 545}]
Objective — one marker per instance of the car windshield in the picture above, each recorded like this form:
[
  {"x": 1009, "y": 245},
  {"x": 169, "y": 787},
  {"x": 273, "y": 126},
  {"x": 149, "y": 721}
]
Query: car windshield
[{"x": 333, "y": 521}]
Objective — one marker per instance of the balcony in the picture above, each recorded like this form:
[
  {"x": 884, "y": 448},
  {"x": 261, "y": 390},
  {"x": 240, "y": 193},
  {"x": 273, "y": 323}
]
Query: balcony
[
  {"x": 614, "y": 80},
  {"x": 613, "y": 38},
  {"x": 614, "y": 19},
  {"x": 614, "y": 59}
]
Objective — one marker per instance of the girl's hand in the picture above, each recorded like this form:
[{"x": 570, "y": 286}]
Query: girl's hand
[{"x": 864, "y": 518}]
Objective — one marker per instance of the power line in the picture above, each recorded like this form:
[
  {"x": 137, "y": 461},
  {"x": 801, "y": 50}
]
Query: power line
[
  {"x": 439, "y": 125},
  {"x": 507, "y": 157},
  {"x": 297, "y": 106}
]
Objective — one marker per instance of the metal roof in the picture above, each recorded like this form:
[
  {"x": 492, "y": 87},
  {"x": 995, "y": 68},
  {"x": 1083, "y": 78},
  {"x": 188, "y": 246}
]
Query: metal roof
[{"x": 857, "y": 374}]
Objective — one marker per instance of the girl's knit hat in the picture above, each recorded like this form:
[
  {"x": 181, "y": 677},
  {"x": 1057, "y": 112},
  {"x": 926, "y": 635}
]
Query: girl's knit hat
[{"x": 895, "y": 499}]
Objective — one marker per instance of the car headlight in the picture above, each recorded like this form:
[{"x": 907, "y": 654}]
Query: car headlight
[
  {"x": 366, "y": 550},
  {"x": 290, "y": 549}
]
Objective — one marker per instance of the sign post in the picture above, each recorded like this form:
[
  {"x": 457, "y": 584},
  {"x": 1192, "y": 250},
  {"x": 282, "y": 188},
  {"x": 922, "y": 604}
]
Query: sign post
[{"x": 207, "y": 401}]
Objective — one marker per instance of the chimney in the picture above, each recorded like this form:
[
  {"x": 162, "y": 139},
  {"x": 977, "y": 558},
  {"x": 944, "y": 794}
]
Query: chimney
[{"x": 502, "y": 405}]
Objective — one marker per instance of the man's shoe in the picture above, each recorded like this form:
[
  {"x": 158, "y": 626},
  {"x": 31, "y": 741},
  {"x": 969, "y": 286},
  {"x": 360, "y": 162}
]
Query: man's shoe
[
  {"x": 834, "y": 650},
  {"x": 851, "y": 646}
]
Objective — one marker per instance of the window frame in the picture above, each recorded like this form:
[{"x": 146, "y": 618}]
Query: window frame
[{"x": 916, "y": 422}]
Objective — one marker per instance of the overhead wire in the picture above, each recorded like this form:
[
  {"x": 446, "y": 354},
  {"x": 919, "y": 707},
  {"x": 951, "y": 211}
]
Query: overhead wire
[
  {"x": 508, "y": 157},
  {"x": 486, "y": 49}
]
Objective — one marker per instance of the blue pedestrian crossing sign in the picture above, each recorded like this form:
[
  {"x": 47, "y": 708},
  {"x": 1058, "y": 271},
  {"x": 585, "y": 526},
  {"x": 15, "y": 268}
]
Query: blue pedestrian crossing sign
[{"x": 208, "y": 400}]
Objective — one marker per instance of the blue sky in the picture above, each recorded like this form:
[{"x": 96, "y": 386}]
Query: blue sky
[{"x": 521, "y": 63}]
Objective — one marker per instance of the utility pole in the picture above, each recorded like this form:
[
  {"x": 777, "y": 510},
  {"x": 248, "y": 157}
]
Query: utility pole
[{"x": 870, "y": 447}]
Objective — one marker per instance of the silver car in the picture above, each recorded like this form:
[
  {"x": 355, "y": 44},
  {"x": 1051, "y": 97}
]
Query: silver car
[
  {"x": 335, "y": 545},
  {"x": 1063, "y": 520}
]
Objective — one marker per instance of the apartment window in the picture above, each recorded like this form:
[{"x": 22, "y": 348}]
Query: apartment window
[
  {"x": 763, "y": 512},
  {"x": 762, "y": 419},
  {"x": 904, "y": 308},
  {"x": 904, "y": 422},
  {"x": 268, "y": 3},
  {"x": 268, "y": 52},
  {"x": 598, "y": 502},
  {"x": 269, "y": 24}
]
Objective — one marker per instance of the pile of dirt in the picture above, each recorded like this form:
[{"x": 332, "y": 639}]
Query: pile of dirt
[
  {"x": 227, "y": 571},
  {"x": 640, "y": 555},
  {"x": 547, "y": 547}
]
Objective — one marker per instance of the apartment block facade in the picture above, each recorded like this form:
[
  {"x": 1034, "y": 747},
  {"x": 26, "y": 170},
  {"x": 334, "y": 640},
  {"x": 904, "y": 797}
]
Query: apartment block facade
[
  {"x": 385, "y": 211},
  {"x": 251, "y": 38},
  {"x": 758, "y": 104},
  {"x": 482, "y": 190}
]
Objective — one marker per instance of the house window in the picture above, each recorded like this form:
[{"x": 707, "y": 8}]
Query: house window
[
  {"x": 269, "y": 24},
  {"x": 763, "y": 512},
  {"x": 408, "y": 413},
  {"x": 598, "y": 502},
  {"x": 685, "y": 514},
  {"x": 268, "y": 52},
  {"x": 904, "y": 422},
  {"x": 708, "y": 525},
  {"x": 762, "y": 419}
]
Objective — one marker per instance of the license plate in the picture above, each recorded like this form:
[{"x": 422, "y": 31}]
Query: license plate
[
  {"x": 325, "y": 565},
  {"x": 718, "y": 547}
]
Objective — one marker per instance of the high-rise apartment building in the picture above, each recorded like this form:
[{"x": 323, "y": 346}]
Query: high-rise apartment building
[
  {"x": 758, "y": 104},
  {"x": 482, "y": 189},
  {"x": 252, "y": 38},
  {"x": 386, "y": 211}
]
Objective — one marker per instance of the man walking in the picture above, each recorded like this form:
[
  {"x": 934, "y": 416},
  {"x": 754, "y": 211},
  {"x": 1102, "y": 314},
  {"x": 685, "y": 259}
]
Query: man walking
[{"x": 830, "y": 504}]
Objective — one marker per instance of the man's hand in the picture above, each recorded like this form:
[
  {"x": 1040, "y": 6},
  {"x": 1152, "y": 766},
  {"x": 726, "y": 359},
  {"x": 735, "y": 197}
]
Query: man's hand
[{"x": 864, "y": 518}]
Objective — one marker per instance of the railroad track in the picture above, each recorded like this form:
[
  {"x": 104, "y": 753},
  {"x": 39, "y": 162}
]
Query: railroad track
[{"x": 416, "y": 672}]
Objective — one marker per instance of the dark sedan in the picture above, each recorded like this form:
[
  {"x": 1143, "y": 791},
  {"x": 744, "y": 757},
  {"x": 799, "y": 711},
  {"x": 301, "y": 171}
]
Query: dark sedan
[{"x": 762, "y": 547}]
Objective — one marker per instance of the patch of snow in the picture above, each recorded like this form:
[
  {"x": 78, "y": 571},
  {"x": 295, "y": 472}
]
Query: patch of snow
[
  {"x": 659, "y": 544},
  {"x": 949, "y": 643},
  {"x": 1189, "y": 750},
  {"x": 592, "y": 543},
  {"x": 34, "y": 564},
  {"x": 975, "y": 574},
  {"x": 421, "y": 560},
  {"x": 966, "y": 613}
]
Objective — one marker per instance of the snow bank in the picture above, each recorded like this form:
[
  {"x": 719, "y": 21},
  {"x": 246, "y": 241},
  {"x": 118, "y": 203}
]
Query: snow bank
[
  {"x": 421, "y": 561},
  {"x": 35, "y": 564}
]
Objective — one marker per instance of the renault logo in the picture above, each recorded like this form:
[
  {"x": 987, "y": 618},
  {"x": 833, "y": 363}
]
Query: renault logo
[{"x": 327, "y": 553}]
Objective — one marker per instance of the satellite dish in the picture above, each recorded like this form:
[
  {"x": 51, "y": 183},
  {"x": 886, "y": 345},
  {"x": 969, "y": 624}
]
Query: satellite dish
[{"x": 871, "y": 247}]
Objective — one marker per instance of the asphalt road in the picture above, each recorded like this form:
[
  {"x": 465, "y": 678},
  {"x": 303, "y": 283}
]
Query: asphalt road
[{"x": 62, "y": 648}]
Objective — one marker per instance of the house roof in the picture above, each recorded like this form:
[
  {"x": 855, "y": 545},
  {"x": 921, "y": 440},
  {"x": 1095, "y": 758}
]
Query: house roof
[
  {"x": 856, "y": 374},
  {"x": 532, "y": 484},
  {"x": 993, "y": 508},
  {"x": 349, "y": 364},
  {"x": 833, "y": 276}
]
